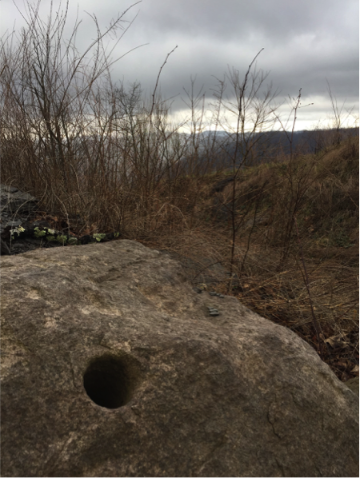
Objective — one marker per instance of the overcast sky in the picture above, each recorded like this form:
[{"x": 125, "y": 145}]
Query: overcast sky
[{"x": 306, "y": 43}]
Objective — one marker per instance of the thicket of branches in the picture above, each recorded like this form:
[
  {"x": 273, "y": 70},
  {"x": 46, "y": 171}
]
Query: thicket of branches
[
  {"x": 88, "y": 147},
  {"x": 102, "y": 157}
]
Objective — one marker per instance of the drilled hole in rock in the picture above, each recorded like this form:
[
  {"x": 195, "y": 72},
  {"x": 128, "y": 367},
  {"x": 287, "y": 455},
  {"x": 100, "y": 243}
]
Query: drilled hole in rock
[{"x": 109, "y": 381}]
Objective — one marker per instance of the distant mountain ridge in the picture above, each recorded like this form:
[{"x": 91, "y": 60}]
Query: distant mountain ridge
[{"x": 266, "y": 145}]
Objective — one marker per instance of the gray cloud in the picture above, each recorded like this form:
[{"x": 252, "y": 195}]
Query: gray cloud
[{"x": 305, "y": 43}]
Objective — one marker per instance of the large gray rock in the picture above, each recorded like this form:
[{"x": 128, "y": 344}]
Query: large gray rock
[
  {"x": 113, "y": 366},
  {"x": 13, "y": 201},
  {"x": 15, "y": 209}
]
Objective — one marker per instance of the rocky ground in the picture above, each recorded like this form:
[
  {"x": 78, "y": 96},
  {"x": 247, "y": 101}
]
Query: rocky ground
[{"x": 16, "y": 209}]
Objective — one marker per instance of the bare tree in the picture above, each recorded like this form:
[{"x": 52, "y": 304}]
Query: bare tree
[{"x": 252, "y": 110}]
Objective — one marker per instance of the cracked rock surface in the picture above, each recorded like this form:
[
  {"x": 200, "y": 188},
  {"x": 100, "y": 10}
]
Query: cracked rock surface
[{"x": 112, "y": 366}]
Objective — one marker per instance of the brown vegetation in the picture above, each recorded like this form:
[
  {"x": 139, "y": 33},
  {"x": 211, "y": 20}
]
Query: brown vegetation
[{"x": 101, "y": 159}]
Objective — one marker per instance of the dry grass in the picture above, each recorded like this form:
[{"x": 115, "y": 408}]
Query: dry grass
[
  {"x": 329, "y": 238},
  {"x": 282, "y": 237}
]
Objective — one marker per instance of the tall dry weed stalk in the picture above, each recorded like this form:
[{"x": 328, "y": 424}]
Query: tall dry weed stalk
[
  {"x": 298, "y": 177},
  {"x": 251, "y": 109}
]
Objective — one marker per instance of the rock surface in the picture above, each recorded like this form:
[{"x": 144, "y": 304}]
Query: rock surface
[
  {"x": 353, "y": 384},
  {"x": 18, "y": 208},
  {"x": 13, "y": 201},
  {"x": 113, "y": 366}
]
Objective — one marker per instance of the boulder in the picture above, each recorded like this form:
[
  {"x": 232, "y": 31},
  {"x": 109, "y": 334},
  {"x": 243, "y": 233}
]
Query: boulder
[
  {"x": 353, "y": 384},
  {"x": 16, "y": 207},
  {"x": 13, "y": 201},
  {"x": 113, "y": 365}
]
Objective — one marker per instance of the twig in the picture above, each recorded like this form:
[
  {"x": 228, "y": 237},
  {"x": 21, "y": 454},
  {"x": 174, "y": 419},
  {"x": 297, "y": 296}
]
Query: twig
[{"x": 314, "y": 319}]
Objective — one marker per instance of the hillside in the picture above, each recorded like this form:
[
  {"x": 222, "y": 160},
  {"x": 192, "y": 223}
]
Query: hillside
[
  {"x": 282, "y": 237},
  {"x": 296, "y": 275},
  {"x": 270, "y": 215}
]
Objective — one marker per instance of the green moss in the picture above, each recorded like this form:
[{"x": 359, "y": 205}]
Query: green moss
[
  {"x": 99, "y": 237},
  {"x": 17, "y": 230},
  {"x": 51, "y": 235},
  {"x": 61, "y": 239},
  {"x": 73, "y": 240},
  {"x": 51, "y": 238},
  {"x": 38, "y": 233}
]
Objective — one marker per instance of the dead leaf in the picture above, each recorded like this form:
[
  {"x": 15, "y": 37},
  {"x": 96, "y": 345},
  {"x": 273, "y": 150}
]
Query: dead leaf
[
  {"x": 355, "y": 369},
  {"x": 337, "y": 341},
  {"x": 342, "y": 363}
]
